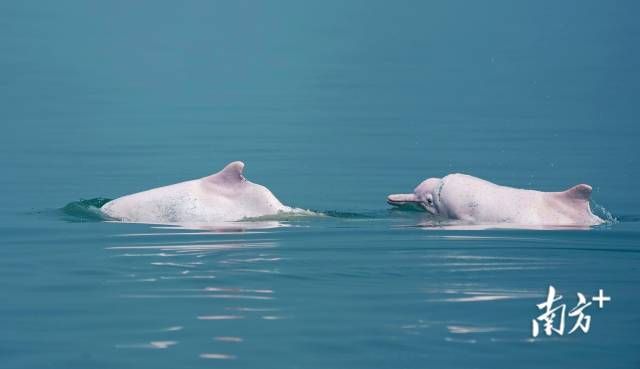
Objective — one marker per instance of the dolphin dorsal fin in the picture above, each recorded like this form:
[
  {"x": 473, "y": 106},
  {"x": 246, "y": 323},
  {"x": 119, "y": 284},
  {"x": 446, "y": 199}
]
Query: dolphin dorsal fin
[
  {"x": 230, "y": 173},
  {"x": 579, "y": 192}
]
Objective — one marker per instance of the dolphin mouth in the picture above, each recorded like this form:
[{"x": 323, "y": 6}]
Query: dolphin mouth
[{"x": 402, "y": 199}]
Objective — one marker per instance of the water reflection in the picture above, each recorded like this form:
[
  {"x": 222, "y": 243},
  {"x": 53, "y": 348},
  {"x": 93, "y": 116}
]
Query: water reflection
[
  {"x": 472, "y": 289},
  {"x": 228, "y": 339},
  {"x": 458, "y": 329},
  {"x": 212, "y": 228},
  {"x": 158, "y": 345},
  {"x": 217, "y": 356},
  {"x": 201, "y": 281},
  {"x": 478, "y": 295}
]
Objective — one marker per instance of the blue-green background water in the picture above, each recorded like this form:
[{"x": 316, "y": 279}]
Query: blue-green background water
[{"x": 332, "y": 105}]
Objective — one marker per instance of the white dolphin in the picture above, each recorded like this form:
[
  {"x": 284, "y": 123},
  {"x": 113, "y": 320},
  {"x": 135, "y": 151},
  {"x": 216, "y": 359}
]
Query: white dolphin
[
  {"x": 223, "y": 196},
  {"x": 476, "y": 201}
]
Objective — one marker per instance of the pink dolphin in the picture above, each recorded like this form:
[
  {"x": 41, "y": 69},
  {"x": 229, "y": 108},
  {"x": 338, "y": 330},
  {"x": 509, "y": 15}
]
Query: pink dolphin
[
  {"x": 223, "y": 196},
  {"x": 476, "y": 201}
]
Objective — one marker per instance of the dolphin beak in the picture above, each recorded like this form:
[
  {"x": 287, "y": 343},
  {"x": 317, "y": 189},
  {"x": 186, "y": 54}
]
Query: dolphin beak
[{"x": 401, "y": 199}]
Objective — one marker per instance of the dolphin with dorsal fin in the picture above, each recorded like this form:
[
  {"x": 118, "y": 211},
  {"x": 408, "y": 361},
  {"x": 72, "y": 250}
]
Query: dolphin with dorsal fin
[
  {"x": 476, "y": 201},
  {"x": 223, "y": 196}
]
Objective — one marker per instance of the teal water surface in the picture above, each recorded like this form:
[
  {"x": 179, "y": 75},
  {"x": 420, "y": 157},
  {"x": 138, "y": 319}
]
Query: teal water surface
[{"x": 332, "y": 105}]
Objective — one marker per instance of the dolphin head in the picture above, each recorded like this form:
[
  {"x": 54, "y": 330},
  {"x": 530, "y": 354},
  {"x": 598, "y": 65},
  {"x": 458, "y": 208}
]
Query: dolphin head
[{"x": 424, "y": 196}]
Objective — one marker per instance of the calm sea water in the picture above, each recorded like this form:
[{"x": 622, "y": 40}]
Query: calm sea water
[{"x": 332, "y": 105}]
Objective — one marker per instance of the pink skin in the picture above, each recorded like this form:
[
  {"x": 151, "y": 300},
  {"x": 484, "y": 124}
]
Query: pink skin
[
  {"x": 223, "y": 196},
  {"x": 422, "y": 196},
  {"x": 476, "y": 201}
]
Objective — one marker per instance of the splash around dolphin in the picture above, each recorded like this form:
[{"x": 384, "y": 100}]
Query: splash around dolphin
[
  {"x": 472, "y": 200},
  {"x": 223, "y": 196}
]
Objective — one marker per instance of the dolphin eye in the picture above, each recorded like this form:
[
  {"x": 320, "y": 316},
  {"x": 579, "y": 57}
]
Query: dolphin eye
[{"x": 429, "y": 200}]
